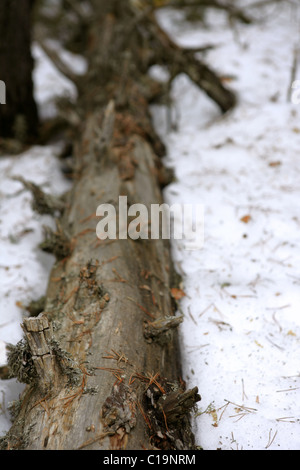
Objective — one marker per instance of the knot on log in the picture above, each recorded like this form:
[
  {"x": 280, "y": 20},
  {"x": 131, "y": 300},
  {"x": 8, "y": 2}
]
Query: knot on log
[
  {"x": 118, "y": 415},
  {"x": 160, "y": 329},
  {"x": 58, "y": 243}
]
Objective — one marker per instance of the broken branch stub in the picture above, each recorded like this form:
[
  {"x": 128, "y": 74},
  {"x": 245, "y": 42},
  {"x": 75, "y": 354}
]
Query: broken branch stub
[
  {"x": 161, "y": 329},
  {"x": 56, "y": 242},
  {"x": 167, "y": 408},
  {"x": 38, "y": 332},
  {"x": 42, "y": 203}
]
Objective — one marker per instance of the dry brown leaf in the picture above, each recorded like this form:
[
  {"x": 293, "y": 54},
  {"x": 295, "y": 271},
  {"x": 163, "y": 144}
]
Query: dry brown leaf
[
  {"x": 177, "y": 294},
  {"x": 245, "y": 218},
  {"x": 291, "y": 333}
]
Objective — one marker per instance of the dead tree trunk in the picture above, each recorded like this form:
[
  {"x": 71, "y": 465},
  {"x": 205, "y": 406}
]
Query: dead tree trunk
[
  {"x": 102, "y": 361},
  {"x": 18, "y": 117}
]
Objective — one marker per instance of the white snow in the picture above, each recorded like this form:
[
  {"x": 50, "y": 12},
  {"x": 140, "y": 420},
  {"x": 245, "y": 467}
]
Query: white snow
[{"x": 240, "y": 336}]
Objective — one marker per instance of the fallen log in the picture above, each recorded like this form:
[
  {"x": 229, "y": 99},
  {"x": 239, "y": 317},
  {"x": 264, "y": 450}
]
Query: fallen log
[{"x": 97, "y": 368}]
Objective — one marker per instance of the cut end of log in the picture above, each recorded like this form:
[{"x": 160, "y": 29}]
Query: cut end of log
[{"x": 39, "y": 360}]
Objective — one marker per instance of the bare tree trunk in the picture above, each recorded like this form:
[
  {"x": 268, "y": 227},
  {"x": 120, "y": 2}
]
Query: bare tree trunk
[
  {"x": 18, "y": 117},
  {"x": 102, "y": 360}
]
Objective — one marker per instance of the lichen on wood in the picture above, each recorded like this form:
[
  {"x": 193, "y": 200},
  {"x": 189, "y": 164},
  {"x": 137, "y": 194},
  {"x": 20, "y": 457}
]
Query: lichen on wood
[
  {"x": 167, "y": 406},
  {"x": 20, "y": 362},
  {"x": 56, "y": 242}
]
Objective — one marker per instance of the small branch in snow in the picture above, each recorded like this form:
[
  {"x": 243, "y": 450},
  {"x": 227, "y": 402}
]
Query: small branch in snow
[
  {"x": 61, "y": 66},
  {"x": 42, "y": 203}
]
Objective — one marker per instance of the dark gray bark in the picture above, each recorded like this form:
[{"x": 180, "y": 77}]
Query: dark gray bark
[{"x": 18, "y": 117}]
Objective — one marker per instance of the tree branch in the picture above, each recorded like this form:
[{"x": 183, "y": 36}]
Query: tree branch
[
  {"x": 180, "y": 60},
  {"x": 233, "y": 11}
]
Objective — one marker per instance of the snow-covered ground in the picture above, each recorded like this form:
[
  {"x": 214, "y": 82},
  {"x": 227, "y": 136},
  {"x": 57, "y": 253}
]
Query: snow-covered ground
[{"x": 240, "y": 336}]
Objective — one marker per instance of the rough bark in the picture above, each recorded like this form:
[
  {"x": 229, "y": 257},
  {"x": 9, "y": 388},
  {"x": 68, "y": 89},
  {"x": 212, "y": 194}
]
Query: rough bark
[
  {"x": 18, "y": 117},
  {"x": 102, "y": 361},
  {"x": 100, "y": 300}
]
